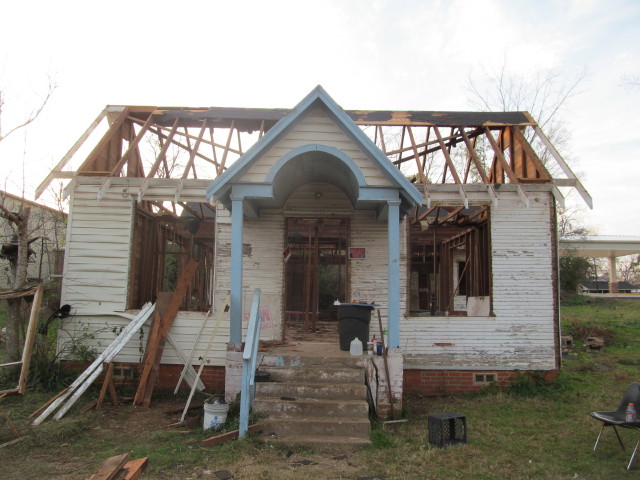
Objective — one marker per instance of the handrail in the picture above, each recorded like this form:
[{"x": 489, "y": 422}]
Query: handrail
[{"x": 249, "y": 358}]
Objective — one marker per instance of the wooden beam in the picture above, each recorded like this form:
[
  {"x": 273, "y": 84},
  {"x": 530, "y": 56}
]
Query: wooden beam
[
  {"x": 72, "y": 151},
  {"x": 225, "y": 437},
  {"x": 30, "y": 339},
  {"x": 104, "y": 141},
  {"x": 447, "y": 157},
  {"x": 382, "y": 142},
  {"x": 181, "y": 145},
  {"x": 108, "y": 378},
  {"x": 186, "y": 135},
  {"x": 531, "y": 154},
  {"x": 110, "y": 467},
  {"x": 160, "y": 158},
  {"x": 133, "y": 469},
  {"x": 474, "y": 156},
  {"x": 498, "y": 153},
  {"x": 417, "y": 157},
  {"x": 49, "y": 402},
  {"x": 424, "y": 215},
  {"x": 225, "y": 152},
  {"x": 450, "y": 215},
  {"x": 194, "y": 150},
  {"x": 152, "y": 366},
  {"x": 213, "y": 149}
]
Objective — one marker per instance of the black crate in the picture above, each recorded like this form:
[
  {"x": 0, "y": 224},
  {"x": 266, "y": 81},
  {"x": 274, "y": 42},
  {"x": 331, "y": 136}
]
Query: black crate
[{"x": 447, "y": 429}]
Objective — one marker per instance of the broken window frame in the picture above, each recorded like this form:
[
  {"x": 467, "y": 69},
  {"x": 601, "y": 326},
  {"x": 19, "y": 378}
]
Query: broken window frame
[
  {"x": 462, "y": 256},
  {"x": 153, "y": 236}
]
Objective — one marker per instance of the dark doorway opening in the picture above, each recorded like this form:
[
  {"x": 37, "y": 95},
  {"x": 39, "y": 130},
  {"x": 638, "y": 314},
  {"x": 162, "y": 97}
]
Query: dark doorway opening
[{"x": 316, "y": 274}]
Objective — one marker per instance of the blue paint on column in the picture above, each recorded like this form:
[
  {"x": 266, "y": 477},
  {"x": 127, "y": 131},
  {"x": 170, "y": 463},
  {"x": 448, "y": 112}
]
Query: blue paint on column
[
  {"x": 393, "y": 313},
  {"x": 237, "y": 219}
]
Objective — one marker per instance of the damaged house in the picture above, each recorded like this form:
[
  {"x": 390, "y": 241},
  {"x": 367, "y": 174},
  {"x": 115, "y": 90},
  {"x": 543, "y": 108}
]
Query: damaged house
[{"x": 445, "y": 220}]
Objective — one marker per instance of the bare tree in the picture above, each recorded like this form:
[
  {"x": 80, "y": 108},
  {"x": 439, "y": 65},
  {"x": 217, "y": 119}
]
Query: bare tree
[
  {"x": 630, "y": 81},
  {"x": 18, "y": 252},
  {"x": 32, "y": 116},
  {"x": 544, "y": 95},
  {"x": 629, "y": 268}
]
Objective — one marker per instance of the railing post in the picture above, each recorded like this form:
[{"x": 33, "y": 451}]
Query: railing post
[{"x": 249, "y": 358}]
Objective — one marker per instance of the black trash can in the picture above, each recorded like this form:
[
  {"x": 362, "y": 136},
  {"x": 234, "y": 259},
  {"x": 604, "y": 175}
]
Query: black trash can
[{"x": 353, "y": 322}]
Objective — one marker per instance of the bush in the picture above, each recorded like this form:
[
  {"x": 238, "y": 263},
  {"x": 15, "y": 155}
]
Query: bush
[
  {"x": 582, "y": 329},
  {"x": 535, "y": 384},
  {"x": 573, "y": 269}
]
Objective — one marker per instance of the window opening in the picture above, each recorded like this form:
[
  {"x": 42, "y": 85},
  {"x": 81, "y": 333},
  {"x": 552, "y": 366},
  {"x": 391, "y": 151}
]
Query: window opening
[
  {"x": 162, "y": 246},
  {"x": 450, "y": 261},
  {"x": 484, "y": 379}
]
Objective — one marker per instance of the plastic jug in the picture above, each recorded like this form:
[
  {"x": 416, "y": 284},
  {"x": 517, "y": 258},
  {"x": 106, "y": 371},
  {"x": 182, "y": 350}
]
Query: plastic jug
[{"x": 355, "y": 348}]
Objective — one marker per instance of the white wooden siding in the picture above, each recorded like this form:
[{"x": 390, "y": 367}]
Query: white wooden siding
[
  {"x": 262, "y": 266},
  {"x": 97, "y": 252},
  {"x": 521, "y": 334},
  {"x": 96, "y": 283},
  {"x": 317, "y": 127},
  {"x": 369, "y": 276}
]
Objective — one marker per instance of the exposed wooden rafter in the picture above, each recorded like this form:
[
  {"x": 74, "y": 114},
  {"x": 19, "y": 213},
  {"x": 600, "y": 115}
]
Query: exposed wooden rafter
[{"x": 479, "y": 147}]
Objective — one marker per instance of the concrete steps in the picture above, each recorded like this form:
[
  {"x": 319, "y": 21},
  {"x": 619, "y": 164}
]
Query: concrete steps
[{"x": 317, "y": 401}]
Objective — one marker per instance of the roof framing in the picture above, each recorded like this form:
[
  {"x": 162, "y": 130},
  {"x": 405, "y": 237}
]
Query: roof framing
[{"x": 459, "y": 148}]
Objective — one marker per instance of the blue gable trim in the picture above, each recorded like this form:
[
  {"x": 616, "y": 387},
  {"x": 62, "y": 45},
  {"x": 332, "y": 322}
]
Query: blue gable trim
[{"x": 221, "y": 186}]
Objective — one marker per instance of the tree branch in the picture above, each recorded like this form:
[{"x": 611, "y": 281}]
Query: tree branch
[
  {"x": 34, "y": 114},
  {"x": 12, "y": 217}
]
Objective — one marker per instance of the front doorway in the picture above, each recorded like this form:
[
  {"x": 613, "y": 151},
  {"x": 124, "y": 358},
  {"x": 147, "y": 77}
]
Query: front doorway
[{"x": 316, "y": 275}]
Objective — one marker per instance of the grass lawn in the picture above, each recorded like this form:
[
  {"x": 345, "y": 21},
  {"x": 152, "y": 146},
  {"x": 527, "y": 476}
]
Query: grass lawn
[{"x": 527, "y": 432}]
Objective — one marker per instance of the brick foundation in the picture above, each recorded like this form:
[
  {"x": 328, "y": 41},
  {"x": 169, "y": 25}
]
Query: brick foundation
[
  {"x": 129, "y": 373},
  {"x": 454, "y": 382}
]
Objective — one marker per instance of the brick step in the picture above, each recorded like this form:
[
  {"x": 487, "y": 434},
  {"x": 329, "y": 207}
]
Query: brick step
[
  {"x": 310, "y": 374},
  {"x": 317, "y": 426},
  {"x": 297, "y": 390},
  {"x": 275, "y": 407}
]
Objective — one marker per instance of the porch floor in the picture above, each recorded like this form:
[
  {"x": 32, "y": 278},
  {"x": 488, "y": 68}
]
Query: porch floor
[{"x": 322, "y": 342}]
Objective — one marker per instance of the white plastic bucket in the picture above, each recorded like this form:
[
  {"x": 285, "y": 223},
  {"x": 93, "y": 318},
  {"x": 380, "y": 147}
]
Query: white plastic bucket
[{"x": 215, "y": 414}]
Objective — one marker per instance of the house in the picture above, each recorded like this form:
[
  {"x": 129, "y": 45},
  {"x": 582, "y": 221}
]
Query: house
[
  {"x": 47, "y": 229},
  {"x": 602, "y": 246},
  {"x": 601, "y": 285},
  {"x": 311, "y": 205}
]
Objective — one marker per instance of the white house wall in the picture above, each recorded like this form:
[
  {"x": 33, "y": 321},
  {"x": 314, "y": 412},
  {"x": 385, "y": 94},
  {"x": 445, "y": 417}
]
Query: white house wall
[
  {"x": 44, "y": 222},
  {"x": 263, "y": 242},
  {"x": 521, "y": 334},
  {"x": 96, "y": 281},
  {"x": 317, "y": 127}
]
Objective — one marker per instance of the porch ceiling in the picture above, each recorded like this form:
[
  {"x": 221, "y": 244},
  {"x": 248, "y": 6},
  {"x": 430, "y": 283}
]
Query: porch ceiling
[
  {"x": 314, "y": 166},
  {"x": 599, "y": 246}
]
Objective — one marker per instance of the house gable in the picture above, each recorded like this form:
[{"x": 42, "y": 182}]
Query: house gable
[{"x": 317, "y": 141}]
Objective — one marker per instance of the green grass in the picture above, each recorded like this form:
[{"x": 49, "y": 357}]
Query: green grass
[{"x": 532, "y": 430}]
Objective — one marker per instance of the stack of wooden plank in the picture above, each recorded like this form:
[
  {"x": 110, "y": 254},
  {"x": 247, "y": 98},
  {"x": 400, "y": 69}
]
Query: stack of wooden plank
[
  {"x": 84, "y": 381},
  {"x": 118, "y": 468}
]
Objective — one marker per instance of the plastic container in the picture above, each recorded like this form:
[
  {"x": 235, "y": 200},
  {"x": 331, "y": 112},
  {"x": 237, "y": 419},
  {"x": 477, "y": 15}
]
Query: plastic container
[
  {"x": 632, "y": 415},
  {"x": 370, "y": 347},
  {"x": 353, "y": 321},
  {"x": 356, "y": 347},
  {"x": 215, "y": 415}
]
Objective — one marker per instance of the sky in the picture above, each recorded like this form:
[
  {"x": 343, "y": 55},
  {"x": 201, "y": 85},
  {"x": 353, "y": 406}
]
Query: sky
[{"x": 374, "y": 54}]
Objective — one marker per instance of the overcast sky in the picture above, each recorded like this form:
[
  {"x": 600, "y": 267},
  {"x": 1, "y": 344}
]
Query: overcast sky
[{"x": 374, "y": 54}]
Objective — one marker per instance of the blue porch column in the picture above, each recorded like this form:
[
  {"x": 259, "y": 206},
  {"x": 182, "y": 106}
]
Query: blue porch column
[
  {"x": 393, "y": 301},
  {"x": 237, "y": 219}
]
